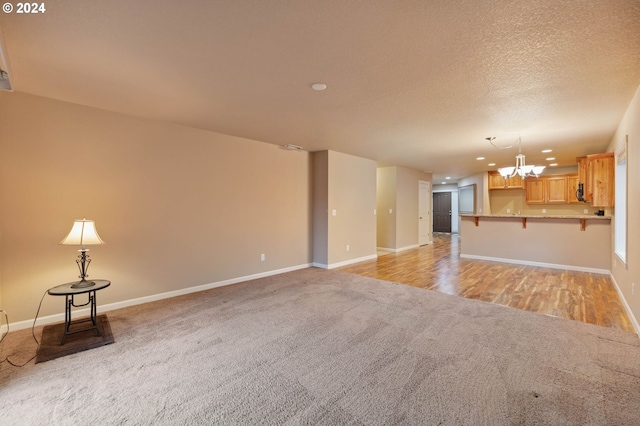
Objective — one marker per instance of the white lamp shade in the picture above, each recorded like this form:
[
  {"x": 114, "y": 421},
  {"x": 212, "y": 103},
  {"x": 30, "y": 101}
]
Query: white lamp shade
[
  {"x": 537, "y": 170},
  {"x": 83, "y": 233},
  {"x": 506, "y": 171}
]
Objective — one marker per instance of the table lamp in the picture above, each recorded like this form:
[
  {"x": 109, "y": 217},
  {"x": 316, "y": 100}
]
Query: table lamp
[{"x": 83, "y": 233}]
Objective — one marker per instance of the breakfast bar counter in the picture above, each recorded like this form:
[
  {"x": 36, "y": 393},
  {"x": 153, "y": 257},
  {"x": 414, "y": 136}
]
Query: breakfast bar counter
[
  {"x": 581, "y": 218},
  {"x": 575, "y": 242}
]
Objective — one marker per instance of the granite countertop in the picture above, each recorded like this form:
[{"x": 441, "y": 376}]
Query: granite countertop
[{"x": 533, "y": 216}]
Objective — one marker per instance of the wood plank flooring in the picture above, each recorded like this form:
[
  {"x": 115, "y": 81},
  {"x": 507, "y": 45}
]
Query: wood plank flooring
[{"x": 581, "y": 296}]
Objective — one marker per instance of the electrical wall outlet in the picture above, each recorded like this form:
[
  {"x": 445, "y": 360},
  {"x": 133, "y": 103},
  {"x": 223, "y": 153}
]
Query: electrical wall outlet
[
  {"x": 586, "y": 211},
  {"x": 508, "y": 210},
  {"x": 633, "y": 289},
  {"x": 544, "y": 210},
  {"x": 347, "y": 247},
  {"x": 262, "y": 257}
]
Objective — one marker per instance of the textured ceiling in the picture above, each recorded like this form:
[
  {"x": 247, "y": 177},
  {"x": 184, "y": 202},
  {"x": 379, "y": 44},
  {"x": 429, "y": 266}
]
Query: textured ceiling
[{"x": 413, "y": 83}]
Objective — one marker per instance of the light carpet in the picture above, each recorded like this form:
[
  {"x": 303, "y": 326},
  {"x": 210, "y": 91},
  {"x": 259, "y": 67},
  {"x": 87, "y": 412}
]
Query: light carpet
[{"x": 328, "y": 348}]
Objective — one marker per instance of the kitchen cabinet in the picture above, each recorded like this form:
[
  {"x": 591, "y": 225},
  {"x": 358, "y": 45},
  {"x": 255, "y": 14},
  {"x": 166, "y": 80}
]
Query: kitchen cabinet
[
  {"x": 601, "y": 179},
  {"x": 583, "y": 177},
  {"x": 556, "y": 189},
  {"x": 547, "y": 190},
  {"x": 596, "y": 173},
  {"x": 496, "y": 181},
  {"x": 572, "y": 188},
  {"x": 534, "y": 190}
]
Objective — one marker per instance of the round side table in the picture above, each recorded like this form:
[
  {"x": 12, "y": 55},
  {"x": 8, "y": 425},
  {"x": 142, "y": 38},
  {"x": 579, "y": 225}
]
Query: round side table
[{"x": 70, "y": 292}]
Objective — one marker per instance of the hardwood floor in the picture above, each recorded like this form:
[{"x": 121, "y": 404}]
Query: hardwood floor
[{"x": 581, "y": 296}]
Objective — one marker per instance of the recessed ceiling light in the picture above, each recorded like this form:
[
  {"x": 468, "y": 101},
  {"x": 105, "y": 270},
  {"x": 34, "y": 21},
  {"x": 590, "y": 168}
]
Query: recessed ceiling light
[
  {"x": 553, "y": 164},
  {"x": 551, "y": 158},
  {"x": 448, "y": 177},
  {"x": 546, "y": 151},
  {"x": 318, "y": 86},
  {"x": 444, "y": 183},
  {"x": 479, "y": 158},
  {"x": 491, "y": 164}
]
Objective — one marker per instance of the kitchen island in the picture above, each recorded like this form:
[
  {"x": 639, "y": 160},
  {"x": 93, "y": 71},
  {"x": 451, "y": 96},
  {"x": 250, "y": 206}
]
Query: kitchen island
[{"x": 575, "y": 242}]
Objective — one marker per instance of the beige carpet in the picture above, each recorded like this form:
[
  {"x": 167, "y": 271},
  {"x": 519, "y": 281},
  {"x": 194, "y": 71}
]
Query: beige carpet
[{"x": 324, "y": 347}]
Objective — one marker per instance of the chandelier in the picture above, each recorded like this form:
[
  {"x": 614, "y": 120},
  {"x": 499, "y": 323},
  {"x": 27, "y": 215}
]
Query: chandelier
[{"x": 521, "y": 168}]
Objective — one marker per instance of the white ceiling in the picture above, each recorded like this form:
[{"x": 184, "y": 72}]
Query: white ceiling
[{"x": 414, "y": 83}]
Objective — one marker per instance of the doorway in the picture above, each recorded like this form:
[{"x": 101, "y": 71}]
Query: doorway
[{"x": 442, "y": 212}]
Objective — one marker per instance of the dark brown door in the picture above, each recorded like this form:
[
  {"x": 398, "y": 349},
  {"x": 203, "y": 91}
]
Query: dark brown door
[{"x": 442, "y": 212}]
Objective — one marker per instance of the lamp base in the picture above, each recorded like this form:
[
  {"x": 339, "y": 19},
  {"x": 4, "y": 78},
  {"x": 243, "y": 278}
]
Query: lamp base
[{"x": 82, "y": 284}]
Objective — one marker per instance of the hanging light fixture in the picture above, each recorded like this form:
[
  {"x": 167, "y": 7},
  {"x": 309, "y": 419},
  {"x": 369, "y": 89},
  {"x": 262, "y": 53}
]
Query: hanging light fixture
[{"x": 521, "y": 168}]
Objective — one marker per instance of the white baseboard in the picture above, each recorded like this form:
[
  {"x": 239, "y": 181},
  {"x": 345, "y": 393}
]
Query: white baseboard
[
  {"x": 4, "y": 328},
  {"x": 345, "y": 263},
  {"x": 397, "y": 250},
  {"x": 386, "y": 249},
  {"x": 634, "y": 321},
  {"x": 146, "y": 299},
  {"x": 543, "y": 265}
]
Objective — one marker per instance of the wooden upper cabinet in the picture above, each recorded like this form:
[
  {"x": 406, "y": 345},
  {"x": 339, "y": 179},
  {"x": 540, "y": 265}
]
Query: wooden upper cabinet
[
  {"x": 515, "y": 182},
  {"x": 601, "y": 179},
  {"x": 556, "y": 189},
  {"x": 596, "y": 174},
  {"x": 548, "y": 189},
  {"x": 534, "y": 188},
  {"x": 583, "y": 177},
  {"x": 572, "y": 188},
  {"x": 496, "y": 181}
]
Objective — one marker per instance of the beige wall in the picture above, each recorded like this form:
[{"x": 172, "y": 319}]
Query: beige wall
[
  {"x": 408, "y": 209},
  {"x": 625, "y": 276},
  {"x": 351, "y": 191},
  {"x": 320, "y": 207},
  {"x": 398, "y": 190},
  {"x": 386, "y": 201},
  {"x": 177, "y": 207},
  {"x": 481, "y": 180}
]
